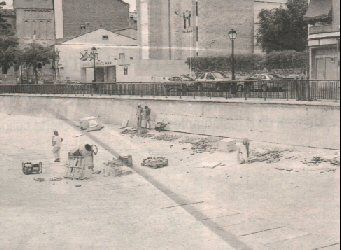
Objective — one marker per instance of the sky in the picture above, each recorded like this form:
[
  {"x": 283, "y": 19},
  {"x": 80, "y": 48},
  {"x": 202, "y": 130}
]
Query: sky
[{"x": 131, "y": 2}]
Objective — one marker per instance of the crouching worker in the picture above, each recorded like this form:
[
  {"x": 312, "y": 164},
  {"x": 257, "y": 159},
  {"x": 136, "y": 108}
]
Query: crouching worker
[{"x": 83, "y": 161}]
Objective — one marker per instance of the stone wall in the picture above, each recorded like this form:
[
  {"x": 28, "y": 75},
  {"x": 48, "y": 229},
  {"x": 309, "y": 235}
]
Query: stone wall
[{"x": 288, "y": 123}]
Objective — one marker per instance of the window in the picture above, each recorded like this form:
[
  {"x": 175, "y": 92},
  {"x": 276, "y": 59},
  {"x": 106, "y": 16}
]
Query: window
[
  {"x": 105, "y": 37},
  {"x": 125, "y": 71},
  {"x": 121, "y": 56}
]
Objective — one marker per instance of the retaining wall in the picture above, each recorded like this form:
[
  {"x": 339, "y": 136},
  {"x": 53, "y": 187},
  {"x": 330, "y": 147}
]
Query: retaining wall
[{"x": 287, "y": 123}]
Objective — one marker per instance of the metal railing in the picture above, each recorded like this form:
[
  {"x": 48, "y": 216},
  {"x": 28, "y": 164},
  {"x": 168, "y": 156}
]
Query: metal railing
[{"x": 302, "y": 90}]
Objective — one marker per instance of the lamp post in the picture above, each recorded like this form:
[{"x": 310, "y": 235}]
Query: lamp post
[
  {"x": 233, "y": 36},
  {"x": 94, "y": 54}
]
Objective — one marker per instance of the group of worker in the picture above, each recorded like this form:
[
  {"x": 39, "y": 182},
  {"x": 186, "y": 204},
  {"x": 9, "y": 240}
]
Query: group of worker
[{"x": 143, "y": 117}]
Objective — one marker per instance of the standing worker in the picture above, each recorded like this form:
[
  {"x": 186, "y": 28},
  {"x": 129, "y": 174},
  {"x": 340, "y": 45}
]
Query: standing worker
[
  {"x": 56, "y": 144},
  {"x": 139, "y": 114},
  {"x": 146, "y": 117}
]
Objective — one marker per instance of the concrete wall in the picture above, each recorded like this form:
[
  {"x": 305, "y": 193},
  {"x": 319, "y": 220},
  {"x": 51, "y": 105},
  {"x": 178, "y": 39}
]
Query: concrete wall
[{"x": 295, "y": 124}]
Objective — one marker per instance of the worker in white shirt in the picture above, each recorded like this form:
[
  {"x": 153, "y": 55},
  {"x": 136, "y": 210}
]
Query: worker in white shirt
[{"x": 56, "y": 144}]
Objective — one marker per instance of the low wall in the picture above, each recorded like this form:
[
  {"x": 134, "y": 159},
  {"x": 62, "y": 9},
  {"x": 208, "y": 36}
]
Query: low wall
[{"x": 294, "y": 124}]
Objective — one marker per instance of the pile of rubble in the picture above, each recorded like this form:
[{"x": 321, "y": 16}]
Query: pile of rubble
[
  {"x": 129, "y": 131},
  {"x": 155, "y": 162},
  {"x": 166, "y": 137},
  {"x": 115, "y": 168},
  {"x": 271, "y": 156},
  {"x": 317, "y": 160}
]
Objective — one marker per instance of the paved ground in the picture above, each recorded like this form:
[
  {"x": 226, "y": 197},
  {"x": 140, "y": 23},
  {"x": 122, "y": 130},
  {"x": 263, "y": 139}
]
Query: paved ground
[{"x": 283, "y": 205}]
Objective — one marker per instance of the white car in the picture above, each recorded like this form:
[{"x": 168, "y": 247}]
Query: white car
[{"x": 211, "y": 77}]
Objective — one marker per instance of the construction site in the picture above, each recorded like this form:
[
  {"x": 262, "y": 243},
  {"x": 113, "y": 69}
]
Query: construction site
[{"x": 159, "y": 188}]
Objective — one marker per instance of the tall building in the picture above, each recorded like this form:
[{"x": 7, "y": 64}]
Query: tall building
[
  {"x": 76, "y": 17},
  {"x": 324, "y": 39},
  {"x": 35, "y": 21},
  {"x": 47, "y": 20},
  {"x": 178, "y": 29}
]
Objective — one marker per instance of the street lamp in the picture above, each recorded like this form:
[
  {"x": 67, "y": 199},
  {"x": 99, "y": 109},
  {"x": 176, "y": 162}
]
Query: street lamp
[
  {"x": 233, "y": 36},
  {"x": 94, "y": 54}
]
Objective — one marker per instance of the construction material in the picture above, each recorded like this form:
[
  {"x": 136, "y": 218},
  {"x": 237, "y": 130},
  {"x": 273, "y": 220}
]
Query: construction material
[
  {"x": 161, "y": 126},
  {"x": 155, "y": 162},
  {"x": 317, "y": 160},
  {"x": 126, "y": 160},
  {"x": 91, "y": 124},
  {"x": 39, "y": 179},
  {"x": 115, "y": 168},
  {"x": 166, "y": 137},
  {"x": 129, "y": 131},
  {"x": 272, "y": 156},
  {"x": 29, "y": 168}
]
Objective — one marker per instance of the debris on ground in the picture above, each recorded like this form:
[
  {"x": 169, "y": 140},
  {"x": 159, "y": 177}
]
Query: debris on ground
[
  {"x": 212, "y": 165},
  {"x": 129, "y": 131},
  {"x": 317, "y": 160},
  {"x": 39, "y": 179},
  {"x": 166, "y": 137},
  {"x": 126, "y": 160},
  {"x": 115, "y": 168},
  {"x": 155, "y": 162},
  {"x": 56, "y": 179},
  {"x": 161, "y": 126},
  {"x": 202, "y": 146},
  {"x": 90, "y": 124},
  {"x": 271, "y": 156}
]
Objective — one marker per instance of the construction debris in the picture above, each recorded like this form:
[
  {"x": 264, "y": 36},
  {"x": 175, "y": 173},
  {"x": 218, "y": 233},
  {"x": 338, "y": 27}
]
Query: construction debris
[
  {"x": 39, "y": 179},
  {"x": 161, "y": 126},
  {"x": 115, "y": 168},
  {"x": 91, "y": 124},
  {"x": 155, "y": 162},
  {"x": 272, "y": 156},
  {"x": 202, "y": 146},
  {"x": 129, "y": 131},
  {"x": 166, "y": 137},
  {"x": 317, "y": 160},
  {"x": 56, "y": 179}
]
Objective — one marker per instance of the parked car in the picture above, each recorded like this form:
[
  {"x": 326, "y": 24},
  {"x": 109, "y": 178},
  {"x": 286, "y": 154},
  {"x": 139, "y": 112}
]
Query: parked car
[
  {"x": 263, "y": 82},
  {"x": 183, "y": 78}
]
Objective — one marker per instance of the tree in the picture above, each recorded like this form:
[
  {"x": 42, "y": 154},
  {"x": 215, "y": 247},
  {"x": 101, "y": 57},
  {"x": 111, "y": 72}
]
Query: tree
[
  {"x": 34, "y": 57},
  {"x": 284, "y": 28},
  {"x": 8, "y": 43}
]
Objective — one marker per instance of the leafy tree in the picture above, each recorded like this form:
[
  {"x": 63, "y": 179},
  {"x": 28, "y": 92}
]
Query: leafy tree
[
  {"x": 8, "y": 43},
  {"x": 284, "y": 28},
  {"x": 35, "y": 56}
]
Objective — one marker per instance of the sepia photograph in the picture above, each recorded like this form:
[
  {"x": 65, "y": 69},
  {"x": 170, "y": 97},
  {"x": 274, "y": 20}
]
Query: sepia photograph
[{"x": 169, "y": 124}]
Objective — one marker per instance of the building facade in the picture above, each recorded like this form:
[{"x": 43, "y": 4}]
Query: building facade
[
  {"x": 35, "y": 21},
  {"x": 115, "y": 57},
  {"x": 47, "y": 20},
  {"x": 75, "y": 17},
  {"x": 323, "y": 17},
  {"x": 178, "y": 29}
]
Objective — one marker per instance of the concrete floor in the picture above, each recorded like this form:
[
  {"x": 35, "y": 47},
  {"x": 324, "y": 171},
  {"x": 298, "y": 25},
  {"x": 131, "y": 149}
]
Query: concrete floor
[{"x": 285, "y": 205}]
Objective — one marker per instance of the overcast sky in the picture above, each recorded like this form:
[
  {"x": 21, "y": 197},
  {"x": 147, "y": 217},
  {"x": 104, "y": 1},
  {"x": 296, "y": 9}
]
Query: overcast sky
[{"x": 131, "y": 2}]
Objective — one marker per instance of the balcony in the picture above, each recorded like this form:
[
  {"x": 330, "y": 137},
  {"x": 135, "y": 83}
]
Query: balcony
[{"x": 322, "y": 29}]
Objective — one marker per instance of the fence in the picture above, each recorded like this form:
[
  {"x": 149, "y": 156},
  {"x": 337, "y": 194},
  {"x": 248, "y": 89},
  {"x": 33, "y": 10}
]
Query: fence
[{"x": 303, "y": 90}]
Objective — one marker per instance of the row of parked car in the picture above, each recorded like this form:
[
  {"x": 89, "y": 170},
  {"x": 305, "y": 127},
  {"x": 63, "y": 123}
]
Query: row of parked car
[{"x": 218, "y": 81}]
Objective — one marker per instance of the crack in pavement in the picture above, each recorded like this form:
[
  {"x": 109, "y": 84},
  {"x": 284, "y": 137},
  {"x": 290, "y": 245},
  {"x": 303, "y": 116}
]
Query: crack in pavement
[
  {"x": 226, "y": 236},
  {"x": 262, "y": 231}
]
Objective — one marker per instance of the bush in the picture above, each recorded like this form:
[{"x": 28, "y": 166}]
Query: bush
[{"x": 251, "y": 62}]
